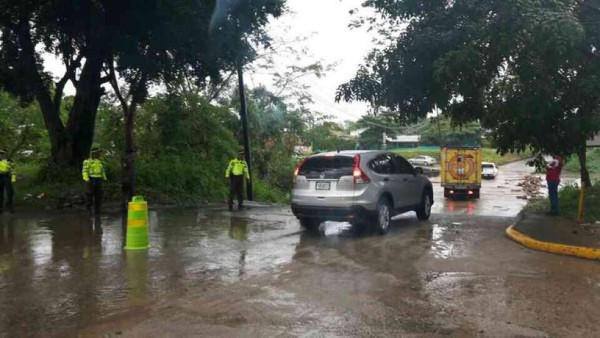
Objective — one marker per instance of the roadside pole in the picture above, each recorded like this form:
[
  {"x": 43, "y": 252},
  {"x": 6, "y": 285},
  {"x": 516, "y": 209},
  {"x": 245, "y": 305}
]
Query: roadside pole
[
  {"x": 593, "y": 142},
  {"x": 580, "y": 212},
  {"x": 244, "y": 118}
]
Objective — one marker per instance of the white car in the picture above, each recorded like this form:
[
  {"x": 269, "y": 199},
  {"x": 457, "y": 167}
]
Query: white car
[
  {"x": 489, "y": 170},
  {"x": 422, "y": 160}
]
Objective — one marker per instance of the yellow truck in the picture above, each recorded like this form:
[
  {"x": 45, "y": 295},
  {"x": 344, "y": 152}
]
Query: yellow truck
[{"x": 461, "y": 171}]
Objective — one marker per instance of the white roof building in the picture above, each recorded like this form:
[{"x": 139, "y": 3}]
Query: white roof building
[{"x": 403, "y": 139}]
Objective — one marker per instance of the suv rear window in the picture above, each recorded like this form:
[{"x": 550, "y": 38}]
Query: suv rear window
[
  {"x": 327, "y": 167},
  {"x": 488, "y": 166}
]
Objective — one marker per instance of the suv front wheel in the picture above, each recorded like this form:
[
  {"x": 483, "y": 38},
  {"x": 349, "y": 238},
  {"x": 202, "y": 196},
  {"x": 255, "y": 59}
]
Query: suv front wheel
[{"x": 383, "y": 216}]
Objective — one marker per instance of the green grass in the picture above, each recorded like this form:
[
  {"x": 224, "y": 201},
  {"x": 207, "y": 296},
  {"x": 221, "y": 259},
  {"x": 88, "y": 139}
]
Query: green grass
[
  {"x": 489, "y": 155},
  {"x": 569, "y": 203},
  {"x": 267, "y": 193},
  {"x": 593, "y": 163}
]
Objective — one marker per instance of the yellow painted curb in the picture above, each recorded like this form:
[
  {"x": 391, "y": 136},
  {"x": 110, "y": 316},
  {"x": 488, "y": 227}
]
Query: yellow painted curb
[{"x": 563, "y": 249}]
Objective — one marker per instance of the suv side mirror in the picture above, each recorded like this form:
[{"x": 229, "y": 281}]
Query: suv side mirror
[{"x": 419, "y": 171}]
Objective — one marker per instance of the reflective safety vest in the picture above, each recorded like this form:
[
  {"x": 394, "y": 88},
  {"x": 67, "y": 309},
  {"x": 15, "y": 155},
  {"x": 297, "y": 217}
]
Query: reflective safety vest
[
  {"x": 237, "y": 168},
  {"x": 93, "y": 168},
  {"x": 6, "y": 168}
]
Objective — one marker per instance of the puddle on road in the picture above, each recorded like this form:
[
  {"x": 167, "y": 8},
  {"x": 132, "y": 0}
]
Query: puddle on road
[
  {"x": 448, "y": 241},
  {"x": 75, "y": 270},
  {"x": 455, "y": 288},
  {"x": 439, "y": 246}
]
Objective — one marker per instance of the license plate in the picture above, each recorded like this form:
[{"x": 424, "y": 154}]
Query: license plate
[{"x": 323, "y": 186}]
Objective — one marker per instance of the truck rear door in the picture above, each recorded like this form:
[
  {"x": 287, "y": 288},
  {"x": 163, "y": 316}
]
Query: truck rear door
[{"x": 461, "y": 168}]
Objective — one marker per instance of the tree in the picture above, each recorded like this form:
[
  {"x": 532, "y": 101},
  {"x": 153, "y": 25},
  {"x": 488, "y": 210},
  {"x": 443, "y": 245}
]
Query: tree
[
  {"x": 142, "y": 41},
  {"x": 328, "y": 135},
  {"x": 440, "y": 131},
  {"x": 21, "y": 128},
  {"x": 526, "y": 69}
]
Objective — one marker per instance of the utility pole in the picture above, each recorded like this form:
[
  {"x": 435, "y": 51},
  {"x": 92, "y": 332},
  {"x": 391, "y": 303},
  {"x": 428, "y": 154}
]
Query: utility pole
[
  {"x": 438, "y": 117},
  {"x": 244, "y": 118}
]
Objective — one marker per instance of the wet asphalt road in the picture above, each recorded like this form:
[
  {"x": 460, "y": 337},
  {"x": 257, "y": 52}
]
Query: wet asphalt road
[{"x": 210, "y": 272}]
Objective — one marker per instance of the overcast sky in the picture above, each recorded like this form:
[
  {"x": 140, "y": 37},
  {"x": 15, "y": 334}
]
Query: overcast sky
[
  {"x": 325, "y": 22},
  {"x": 331, "y": 41}
]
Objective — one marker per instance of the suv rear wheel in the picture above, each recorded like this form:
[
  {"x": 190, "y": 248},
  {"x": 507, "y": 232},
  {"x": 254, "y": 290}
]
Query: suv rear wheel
[
  {"x": 383, "y": 216},
  {"x": 424, "y": 209},
  {"x": 310, "y": 223}
]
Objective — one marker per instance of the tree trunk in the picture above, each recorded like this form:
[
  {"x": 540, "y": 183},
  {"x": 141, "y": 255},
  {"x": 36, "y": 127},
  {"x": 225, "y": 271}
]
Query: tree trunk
[
  {"x": 128, "y": 161},
  {"x": 82, "y": 117},
  {"x": 244, "y": 118},
  {"x": 585, "y": 175},
  {"x": 51, "y": 115}
]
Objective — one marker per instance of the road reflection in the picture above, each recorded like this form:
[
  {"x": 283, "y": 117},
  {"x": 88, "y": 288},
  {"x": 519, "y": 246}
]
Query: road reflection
[
  {"x": 238, "y": 230},
  {"x": 136, "y": 271},
  {"x": 459, "y": 207}
]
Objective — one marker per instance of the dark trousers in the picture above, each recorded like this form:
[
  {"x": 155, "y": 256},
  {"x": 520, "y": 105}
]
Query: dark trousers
[
  {"x": 6, "y": 184},
  {"x": 553, "y": 195},
  {"x": 236, "y": 187},
  {"x": 94, "y": 194}
]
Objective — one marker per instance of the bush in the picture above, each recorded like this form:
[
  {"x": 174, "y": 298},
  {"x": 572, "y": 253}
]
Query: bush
[
  {"x": 40, "y": 183},
  {"x": 181, "y": 180},
  {"x": 170, "y": 178},
  {"x": 266, "y": 193},
  {"x": 569, "y": 202},
  {"x": 593, "y": 162}
]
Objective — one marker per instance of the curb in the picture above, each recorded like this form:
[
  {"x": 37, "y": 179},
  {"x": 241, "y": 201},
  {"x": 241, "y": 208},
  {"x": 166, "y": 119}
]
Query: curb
[{"x": 562, "y": 249}]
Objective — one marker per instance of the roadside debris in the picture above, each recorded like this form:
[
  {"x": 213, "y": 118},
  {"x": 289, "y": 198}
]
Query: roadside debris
[{"x": 531, "y": 187}]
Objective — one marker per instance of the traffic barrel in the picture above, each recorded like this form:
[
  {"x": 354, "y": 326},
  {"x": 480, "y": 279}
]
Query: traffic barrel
[{"x": 137, "y": 224}]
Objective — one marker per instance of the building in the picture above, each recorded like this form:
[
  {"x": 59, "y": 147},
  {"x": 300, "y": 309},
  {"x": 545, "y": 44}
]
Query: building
[
  {"x": 402, "y": 141},
  {"x": 594, "y": 141}
]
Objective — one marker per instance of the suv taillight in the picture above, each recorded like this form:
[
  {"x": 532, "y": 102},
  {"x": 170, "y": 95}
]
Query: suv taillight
[
  {"x": 359, "y": 176},
  {"x": 297, "y": 170}
]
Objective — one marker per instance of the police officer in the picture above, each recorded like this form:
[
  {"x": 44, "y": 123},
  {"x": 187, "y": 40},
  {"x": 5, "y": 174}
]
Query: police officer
[
  {"x": 237, "y": 169},
  {"x": 93, "y": 174},
  {"x": 7, "y": 178}
]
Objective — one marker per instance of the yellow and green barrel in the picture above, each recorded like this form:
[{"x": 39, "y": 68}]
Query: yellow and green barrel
[{"x": 137, "y": 224}]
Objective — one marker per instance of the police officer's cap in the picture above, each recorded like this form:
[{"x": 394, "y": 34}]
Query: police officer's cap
[
  {"x": 95, "y": 150},
  {"x": 241, "y": 151},
  {"x": 2, "y": 151}
]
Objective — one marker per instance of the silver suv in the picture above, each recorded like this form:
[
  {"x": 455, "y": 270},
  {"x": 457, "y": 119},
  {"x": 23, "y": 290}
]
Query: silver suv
[{"x": 363, "y": 187}]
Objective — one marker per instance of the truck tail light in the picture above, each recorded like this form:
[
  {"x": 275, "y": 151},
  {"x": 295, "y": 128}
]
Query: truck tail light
[{"x": 359, "y": 176}]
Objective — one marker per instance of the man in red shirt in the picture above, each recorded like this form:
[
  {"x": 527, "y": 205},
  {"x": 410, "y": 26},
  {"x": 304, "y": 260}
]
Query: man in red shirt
[{"x": 554, "y": 168}]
